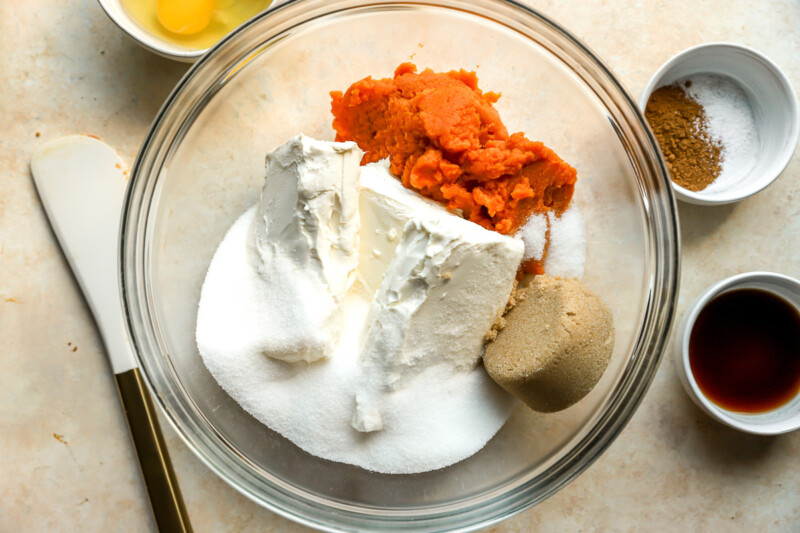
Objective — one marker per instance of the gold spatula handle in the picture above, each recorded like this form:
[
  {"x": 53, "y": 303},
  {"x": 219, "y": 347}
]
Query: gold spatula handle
[{"x": 159, "y": 477}]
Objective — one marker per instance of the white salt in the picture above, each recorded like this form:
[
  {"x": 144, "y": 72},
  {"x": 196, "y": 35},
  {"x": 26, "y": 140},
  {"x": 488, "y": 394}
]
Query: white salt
[{"x": 730, "y": 123}]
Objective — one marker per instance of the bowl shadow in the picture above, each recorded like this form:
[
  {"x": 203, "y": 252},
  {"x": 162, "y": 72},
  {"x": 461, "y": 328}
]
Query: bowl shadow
[
  {"x": 699, "y": 221},
  {"x": 724, "y": 448}
]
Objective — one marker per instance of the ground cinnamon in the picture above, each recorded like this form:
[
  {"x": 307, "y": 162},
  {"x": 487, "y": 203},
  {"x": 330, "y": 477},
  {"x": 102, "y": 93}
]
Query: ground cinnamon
[{"x": 679, "y": 124}]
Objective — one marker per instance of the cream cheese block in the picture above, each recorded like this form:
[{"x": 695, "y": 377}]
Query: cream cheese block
[
  {"x": 385, "y": 206},
  {"x": 445, "y": 283},
  {"x": 306, "y": 234}
]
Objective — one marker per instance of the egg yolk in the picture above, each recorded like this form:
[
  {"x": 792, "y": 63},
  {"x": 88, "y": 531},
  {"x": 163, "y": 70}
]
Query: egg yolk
[{"x": 185, "y": 17}]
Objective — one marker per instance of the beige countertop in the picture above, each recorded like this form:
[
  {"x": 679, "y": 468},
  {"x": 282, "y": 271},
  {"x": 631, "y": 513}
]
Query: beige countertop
[{"x": 66, "y": 463}]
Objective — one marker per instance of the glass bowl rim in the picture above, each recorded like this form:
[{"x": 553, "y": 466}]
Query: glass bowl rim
[{"x": 662, "y": 237}]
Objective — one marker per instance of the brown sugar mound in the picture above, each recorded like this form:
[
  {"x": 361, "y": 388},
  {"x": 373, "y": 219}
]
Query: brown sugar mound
[
  {"x": 555, "y": 344},
  {"x": 444, "y": 139},
  {"x": 679, "y": 123}
]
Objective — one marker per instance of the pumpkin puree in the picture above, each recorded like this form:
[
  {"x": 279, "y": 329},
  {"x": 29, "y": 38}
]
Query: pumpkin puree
[{"x": 444, "y": 138}]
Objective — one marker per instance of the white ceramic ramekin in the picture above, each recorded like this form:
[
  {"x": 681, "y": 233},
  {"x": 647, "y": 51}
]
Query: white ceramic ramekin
[
  {"x": 772, "y": 98},
  {"x": 121, "y": 18},
  {"x": 781, "y": 420}
]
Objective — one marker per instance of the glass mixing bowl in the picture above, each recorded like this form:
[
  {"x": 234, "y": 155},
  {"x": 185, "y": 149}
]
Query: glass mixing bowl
[{"x": 202, "y": 164}]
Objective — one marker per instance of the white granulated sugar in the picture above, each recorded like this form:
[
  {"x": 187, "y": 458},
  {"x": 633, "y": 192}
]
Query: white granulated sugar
[
  {"x": 439, "y": 417},
  {"x": 729, "y": 122},
  {"x": 534, "y": 235},
  {"x": 566, "y": 254}
]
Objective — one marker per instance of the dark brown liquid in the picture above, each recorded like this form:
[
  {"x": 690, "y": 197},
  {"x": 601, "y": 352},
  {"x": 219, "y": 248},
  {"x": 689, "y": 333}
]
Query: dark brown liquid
[{"x": 745, "y": 351}]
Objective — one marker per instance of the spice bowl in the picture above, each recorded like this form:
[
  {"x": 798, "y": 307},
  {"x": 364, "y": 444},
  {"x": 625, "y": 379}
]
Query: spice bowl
[
  {"x": 782, "y": 418},
  {"x": 774, "y": 106}
]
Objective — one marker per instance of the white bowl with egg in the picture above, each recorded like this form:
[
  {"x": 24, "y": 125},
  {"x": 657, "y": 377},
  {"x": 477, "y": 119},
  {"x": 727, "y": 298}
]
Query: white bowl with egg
[
  {"x": 782, "y": 419},
  {"x": 130, "y": 15},
  {"x": 775, "y": 112}
]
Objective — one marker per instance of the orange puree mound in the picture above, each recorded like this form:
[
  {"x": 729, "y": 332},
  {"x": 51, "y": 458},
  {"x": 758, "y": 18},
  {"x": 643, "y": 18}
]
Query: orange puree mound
[{"x": 445, "y": 139}]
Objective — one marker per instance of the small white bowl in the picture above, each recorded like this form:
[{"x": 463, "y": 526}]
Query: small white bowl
[
  {"x": 780, "y": 420},
  {"x": 772, "y": 99},
  {"x": 123, "y": 20},
  {"x": 164, "y": 48}
]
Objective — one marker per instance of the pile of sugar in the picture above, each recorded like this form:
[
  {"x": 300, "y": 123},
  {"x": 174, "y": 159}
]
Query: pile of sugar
[
  {"x": 534, "y": 235},
  {"x": 439, "y": 418},
  {"x": 729, "y": 122},
  {"x": 567, "y": 251}
]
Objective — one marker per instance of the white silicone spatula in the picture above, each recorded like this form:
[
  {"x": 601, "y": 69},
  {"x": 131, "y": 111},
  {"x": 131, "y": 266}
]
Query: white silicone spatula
[{"x": 81, "y": 182}]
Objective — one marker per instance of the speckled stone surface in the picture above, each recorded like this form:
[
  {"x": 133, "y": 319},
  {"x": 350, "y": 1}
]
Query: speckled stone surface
[{"x": 66, "y": 463}]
